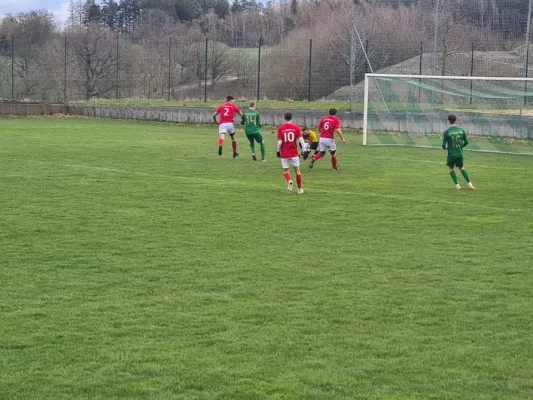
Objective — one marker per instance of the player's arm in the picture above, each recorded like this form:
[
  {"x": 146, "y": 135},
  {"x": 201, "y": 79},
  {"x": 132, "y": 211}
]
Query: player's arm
[
  {"x": 278, "y": 149},
  {"x": 445, "y": 140},
  {"x": 339, "y": 132},
  {"x": 215, "y": 115},
  {"x": 258, "y": 120},
  {"x": 465, "y": 139}
]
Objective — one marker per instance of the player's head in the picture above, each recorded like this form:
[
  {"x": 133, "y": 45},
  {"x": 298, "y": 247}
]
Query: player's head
[
  {"x": 452, "y": 118},
  {"x": 332, "y": 111},
  {"x": 305, "y": 131},
  {"x": 252, "y": 104},
  {"x": 288, "y": 116},
  {"x": 229, "y": 98},
  {"x": 305, "y": 128}
]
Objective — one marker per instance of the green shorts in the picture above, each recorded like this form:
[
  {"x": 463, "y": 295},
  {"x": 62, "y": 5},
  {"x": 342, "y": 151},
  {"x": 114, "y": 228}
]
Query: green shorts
[
  {"x": 255, "y": 136},
  {"x": 455, "y": 161}
]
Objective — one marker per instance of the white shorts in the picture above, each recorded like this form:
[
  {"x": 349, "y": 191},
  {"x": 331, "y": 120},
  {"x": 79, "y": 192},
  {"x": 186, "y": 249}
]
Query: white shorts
[
  {"x": 288, "y": 162},
  {"x": 226, "y": 127},
  {"x": 327, "y": 144}
]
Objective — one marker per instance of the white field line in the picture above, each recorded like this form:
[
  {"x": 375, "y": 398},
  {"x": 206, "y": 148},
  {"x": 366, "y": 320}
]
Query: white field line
[{"x": 234, "y": 182}]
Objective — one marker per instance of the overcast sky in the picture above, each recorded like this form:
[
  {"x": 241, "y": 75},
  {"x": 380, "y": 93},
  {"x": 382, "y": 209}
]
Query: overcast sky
[{"x": 58, "y": 7}]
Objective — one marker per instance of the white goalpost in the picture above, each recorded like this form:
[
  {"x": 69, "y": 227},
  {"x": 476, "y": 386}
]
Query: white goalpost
[{"x": 412, "y": 110}]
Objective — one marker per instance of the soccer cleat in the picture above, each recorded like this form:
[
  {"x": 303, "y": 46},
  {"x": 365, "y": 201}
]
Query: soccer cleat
[
  {"x": 458, "y": 187},
  {"x": 289, "y": 187},
  {"x": 263, "y": 160},
  {"x": 471, "y": 186},
  {"x": 300, "y": 191},
  {"x": 219, "y": 150},
  {"x": 254, "y": 157},
  {"x": 338, "y": 168},
  {"x": 235, "y": 155}
]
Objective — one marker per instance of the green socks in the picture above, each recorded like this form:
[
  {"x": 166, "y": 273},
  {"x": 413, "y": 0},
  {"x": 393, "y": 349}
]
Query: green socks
[
  {"x": 465, "y": 175},
  {"x": 454, "y": 177},
  {"x": 262, "y": 150}
]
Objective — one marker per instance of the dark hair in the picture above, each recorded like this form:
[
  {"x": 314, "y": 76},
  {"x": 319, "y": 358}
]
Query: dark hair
[
  {"x": 229, "y": 98},
  {"x": 332, "y": 111},
  {"x": 288, "y": 116},
  {"x": 452, "y": 118},
  {"x": 305, "y": 128}
]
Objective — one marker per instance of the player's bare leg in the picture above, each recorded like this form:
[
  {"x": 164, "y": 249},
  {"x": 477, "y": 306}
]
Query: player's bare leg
[
  {"x": 234, "y": 145},
  {"x": 221, "y": 138},
  {"x": 299, "y": 180},
  {"x": 288, "y": 179},
  {"x": 464, "y": 172}
]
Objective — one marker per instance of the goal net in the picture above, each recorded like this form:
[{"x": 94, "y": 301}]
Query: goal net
[{"x": 412, "y": 110}]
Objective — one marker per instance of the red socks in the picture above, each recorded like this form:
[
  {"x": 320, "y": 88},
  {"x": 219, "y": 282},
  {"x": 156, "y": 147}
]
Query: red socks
[
  {"x": 334, "y": 161},
  {"x": 317, "y": 156},
  {"x": 288, "y": 176},
  {"x": 220, "y": 141},
  {"x": 299, "y": 180}
]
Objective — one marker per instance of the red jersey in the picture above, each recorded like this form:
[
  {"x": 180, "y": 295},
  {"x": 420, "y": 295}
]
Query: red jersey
[
  {"x": 289, "y": 134},
  {"x": 328, "y": 125},
  {"x": 227, "y": 112}
]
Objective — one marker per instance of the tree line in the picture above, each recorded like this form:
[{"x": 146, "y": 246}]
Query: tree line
[{"x": 163, "y": 48}]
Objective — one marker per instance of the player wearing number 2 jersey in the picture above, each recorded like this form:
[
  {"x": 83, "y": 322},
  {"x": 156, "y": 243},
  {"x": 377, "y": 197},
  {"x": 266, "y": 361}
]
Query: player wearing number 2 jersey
[
  {"x": 327, "y": 127},
  {"x": 227, "y": 113},
  {"x": 289, "y": 134},
  {"x": 453, "y": 140}
]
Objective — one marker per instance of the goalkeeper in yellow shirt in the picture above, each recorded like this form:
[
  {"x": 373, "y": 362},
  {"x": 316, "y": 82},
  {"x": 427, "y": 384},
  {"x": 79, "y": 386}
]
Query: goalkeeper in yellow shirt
[{"x": 311, "y": 138}]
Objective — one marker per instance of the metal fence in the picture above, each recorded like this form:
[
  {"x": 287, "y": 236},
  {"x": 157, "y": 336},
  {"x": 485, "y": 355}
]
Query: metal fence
[{"x": 90, "y": 63}]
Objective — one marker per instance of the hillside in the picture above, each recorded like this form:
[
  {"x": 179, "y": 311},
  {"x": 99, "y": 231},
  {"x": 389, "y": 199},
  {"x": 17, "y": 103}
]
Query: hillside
[{"x": 486, "y": 63}]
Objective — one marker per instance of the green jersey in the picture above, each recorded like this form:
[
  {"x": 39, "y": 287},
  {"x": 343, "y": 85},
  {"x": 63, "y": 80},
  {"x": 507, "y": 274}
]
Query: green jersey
[
  {"x": 251, "y": 121},
  {"x": 454, "y": 139}
]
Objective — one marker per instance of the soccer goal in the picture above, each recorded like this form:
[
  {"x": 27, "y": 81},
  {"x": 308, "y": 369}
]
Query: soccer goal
[{"x": 412, "y": 110}]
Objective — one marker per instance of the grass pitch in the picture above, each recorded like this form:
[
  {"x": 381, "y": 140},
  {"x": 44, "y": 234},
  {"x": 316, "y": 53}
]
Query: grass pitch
[{"x": 136, "y": 263}]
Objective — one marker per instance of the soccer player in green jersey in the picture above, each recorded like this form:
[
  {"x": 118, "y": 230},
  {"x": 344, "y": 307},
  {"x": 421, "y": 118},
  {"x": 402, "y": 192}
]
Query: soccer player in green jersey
[
  {"x": 454, "y": 139},
  {"x": 252, "y": 127}
]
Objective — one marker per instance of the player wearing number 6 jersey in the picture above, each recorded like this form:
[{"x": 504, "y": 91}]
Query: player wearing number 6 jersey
[
  {"x": 287, "y": 149},
  {"x": 327, "y": 127},
  {"x": 227, "y": 113},
  {"x": 454, "y": 140}
]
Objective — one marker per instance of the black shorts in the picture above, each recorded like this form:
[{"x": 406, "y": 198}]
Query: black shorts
[
  {"x": 313, "y": 145},
  {"x": 455, "y": 161}
]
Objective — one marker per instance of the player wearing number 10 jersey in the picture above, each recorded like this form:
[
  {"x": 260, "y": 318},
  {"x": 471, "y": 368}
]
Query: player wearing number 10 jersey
[
  {"x": 287, "y": 149},
  {"x": 453, "y": 140},
  {"x": 327, "y": 127},
  {"x": 227, "y": 113}
]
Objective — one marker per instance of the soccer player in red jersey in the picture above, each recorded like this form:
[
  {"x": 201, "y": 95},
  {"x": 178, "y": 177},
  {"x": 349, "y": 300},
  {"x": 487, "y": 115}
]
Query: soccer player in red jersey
[
  {"x": 289, "y": 134},
  {"x": 227, "y": 113},
  {"x": 327, "y": 127}
]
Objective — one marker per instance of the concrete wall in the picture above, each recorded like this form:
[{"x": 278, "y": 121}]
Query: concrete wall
[
  {"x": 430, "y": 123},
  {"x": 8, "y": 108},
  {"x": 197, "y": 115}
]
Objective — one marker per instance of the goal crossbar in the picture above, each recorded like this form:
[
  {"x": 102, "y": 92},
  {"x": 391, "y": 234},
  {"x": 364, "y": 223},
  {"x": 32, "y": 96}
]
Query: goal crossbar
[{"x": 444, "y": 77}]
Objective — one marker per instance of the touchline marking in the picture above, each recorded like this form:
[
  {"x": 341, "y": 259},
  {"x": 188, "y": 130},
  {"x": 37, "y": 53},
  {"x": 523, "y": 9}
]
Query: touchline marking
[{"x": 272, "y": 186}]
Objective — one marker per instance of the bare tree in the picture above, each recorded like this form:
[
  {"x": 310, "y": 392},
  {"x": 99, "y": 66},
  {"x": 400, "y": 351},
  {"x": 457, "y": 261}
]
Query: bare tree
[{"x": 96, "y": 55}]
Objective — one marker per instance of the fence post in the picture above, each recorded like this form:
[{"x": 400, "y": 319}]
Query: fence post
[
  {"x": 169, "y": 65},
  {"x": 310, "y": 64},
  {"x": 65, "y": 73},
  {"x": 471, "y": 71},
  {"x": 366, "y": 51},
  {"x": 259, "y": 68},
  {"x": 205, "y": 72},
  {"x": 116, "y": 77},
  {"x": 12, "y": 68},
  {"x": 420, "y": 70}
]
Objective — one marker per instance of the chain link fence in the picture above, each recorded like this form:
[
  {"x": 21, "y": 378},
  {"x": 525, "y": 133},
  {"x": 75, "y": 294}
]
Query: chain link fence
[{"x": 94, "y": 62}]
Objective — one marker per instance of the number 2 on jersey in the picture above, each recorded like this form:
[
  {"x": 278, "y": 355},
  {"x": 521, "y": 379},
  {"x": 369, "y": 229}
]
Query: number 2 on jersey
[{"x": 226, "y": 111}]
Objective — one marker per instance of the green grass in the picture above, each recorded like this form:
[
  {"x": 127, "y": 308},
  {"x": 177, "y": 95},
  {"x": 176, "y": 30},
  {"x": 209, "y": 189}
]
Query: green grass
[
  {"x": 136, "y": 263},
  {"x": 243, "y": 103}
]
